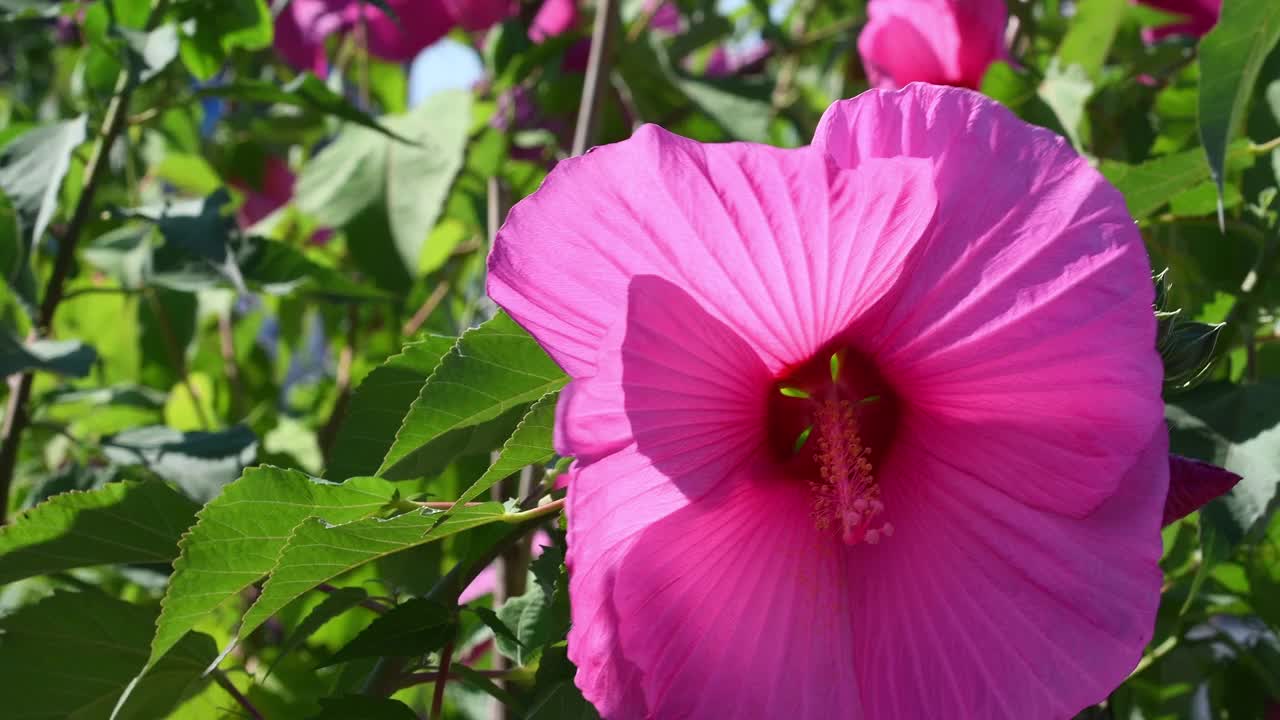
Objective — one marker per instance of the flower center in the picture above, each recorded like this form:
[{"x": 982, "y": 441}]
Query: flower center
[{"x": 830, "y": 420}]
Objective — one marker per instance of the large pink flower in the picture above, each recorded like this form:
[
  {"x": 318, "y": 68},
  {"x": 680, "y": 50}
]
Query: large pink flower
[
  {"x": 947, "y": 42},
  {"x": 970, "y": 527},
  {"x": 1201, "y": 16}
]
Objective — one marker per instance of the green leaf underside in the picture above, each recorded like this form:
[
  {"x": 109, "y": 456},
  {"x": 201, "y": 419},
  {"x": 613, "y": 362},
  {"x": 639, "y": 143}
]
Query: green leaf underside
[
  {"x": 318, "y": 552},
  {"x": 126, "y": 522},
  {"x": 239, "y": 535},
  {"x": 492, "y": 369}
]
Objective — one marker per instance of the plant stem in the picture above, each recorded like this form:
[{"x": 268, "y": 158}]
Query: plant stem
[
  {"x": 328, "y": 435},
  {"x": 421, "y": 678},
  {"x": 595, "y": 81},
  {"x": 15, "y": 416},
  {"x": 1265, "y": 147},
  {"x": 225, "y": 683},
  {"x": 437, "y": 700},
  {"x": 424, "y": 313}
]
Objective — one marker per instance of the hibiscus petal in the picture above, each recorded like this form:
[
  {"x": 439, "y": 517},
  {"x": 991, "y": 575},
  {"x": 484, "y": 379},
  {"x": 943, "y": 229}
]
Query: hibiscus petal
[
  {"x": 909, "y": 41},
  {"x": 1028, "y": 307},
  {"x": 761, "y": 237},
  {"x": 671, "y": 373},
  {"x": 979, "y": 606},
  {"x": 732, "y": 605}
]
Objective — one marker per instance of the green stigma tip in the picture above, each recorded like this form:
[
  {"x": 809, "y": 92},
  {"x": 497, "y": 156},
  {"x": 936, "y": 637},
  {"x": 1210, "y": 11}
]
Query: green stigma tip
[
  {"x": 835, "y": 367},
  {"x": 868, "y": 399},
  {"x": 793, "y": 392},
  {"x": 802, "y": 439}
]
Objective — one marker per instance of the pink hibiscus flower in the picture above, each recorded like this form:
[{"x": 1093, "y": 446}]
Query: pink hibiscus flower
[
  {"x": 866, "y": 429},
  {"x": 1201, "y": 16},
  {"x": 947, "y": 42},
  {"x": 272, "y": 191},
  {"x": 303, "y": 27}
]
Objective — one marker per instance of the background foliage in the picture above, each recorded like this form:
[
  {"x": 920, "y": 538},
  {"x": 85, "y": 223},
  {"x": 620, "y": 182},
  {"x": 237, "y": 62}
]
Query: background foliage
[{"x": 181, "y": 372}]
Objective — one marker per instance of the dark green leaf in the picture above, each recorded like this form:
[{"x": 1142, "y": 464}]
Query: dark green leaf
[
  {"x": 363, "y": 707},
  {"x": 380, "y": 404},
  {"x": 200, "y": 463},
  {"x": 557, "y": 697},
  {"x": 65, "y": 357},
  {"x": 416, "y": 627},
  {"x": 1149, "y": 186},
  {"x": 1231, "y": 56},
  {"x": 305, "y": 91},
  {"x": 71, "y": 656},
  {"x": 125, "y": 522},
  {"x": 333, "y": 605},
  {"x": 239, "y": 535},
  {"x": 491, "y": 370}
]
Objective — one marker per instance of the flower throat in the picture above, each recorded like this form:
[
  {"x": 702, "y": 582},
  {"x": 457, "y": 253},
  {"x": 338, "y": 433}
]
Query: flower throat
[{"x": 829, "y": 421}]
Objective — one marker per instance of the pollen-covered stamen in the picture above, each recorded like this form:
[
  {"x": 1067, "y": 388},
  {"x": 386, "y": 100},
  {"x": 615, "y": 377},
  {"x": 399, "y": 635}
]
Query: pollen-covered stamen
[{"x": 847, "y": 497}]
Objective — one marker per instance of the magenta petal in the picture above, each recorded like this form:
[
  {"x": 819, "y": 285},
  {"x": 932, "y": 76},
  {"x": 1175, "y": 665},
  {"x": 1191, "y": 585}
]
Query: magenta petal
[
  {"x": 772, "y": 242},
  {"x": 1192, "y": 484},
  {"x": 980, "y": 606},
  {"x": 555, "y": 17},
  {"x": 949, "y": 42},
  {"x": 728, "y": 606},
  {"x": 1028, "y": 309},
  {"x": 475, "y": 15},
  {"x": 672, "y": 373}
]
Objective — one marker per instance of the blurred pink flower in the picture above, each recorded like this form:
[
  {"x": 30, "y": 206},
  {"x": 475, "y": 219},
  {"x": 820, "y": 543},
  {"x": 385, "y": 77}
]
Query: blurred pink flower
[
  {"x": 959, "y": 309},
  {"x": 272, "y": 191},
  {"x": 555, "y": 17},
  {"x": 302, "y": 28},
  {"x": 725, "y": 62},
  {"x": 1193, "y": 483},
  {"x": 1201, "y": 16},
  {"x": 946, "y": 42}
]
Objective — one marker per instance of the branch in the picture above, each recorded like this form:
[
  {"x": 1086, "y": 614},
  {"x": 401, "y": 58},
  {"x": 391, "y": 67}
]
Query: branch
[{"x": 594, "y": 84}]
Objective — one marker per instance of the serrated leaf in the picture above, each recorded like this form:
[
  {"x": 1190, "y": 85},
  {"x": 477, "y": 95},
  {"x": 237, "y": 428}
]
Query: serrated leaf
[
  {"x": 492, "y": 369},
  {"x": 530, "y": 444},
  {"x": 72, "y": 654},
  {"x": 125, "y": 522},
  {"x": 528, "y": 616},
  {"x": 415, "y": 627},
  {"x": 380, "y": 404},
  {"x": 239, "y": 535},
  {"x": 557, "y": 698},
  {"x": 1231, "y": 56},
  {"x": 1149, "y": 186},
  {"x": 64, "y": 357},
  {"x": 318, "y": 551},
  {"x": 32, "y": 167}
]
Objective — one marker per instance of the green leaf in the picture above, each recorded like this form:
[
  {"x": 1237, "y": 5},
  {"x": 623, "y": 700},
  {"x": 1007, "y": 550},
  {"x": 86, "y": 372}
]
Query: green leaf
[
  {"x": 1236, "y": 427},
  {"x": 1231, "y": 56},
  {"x": 541, "y": 615},
  {"x": 72, "y": 654},
  {"x": 1066, "y": 90},
  {"x": 200, "y": 463},
  {"x": 32, "y": 167},
  {"x": 530, "y": 444},
  {"x": 334, "y": 604},
  {"x": 416, "y": 627},
  {"x": 318, "y": 551},
  {"x": 305, "y": 91},
  {"x": 344, "y": 178},
  {"x": 364, "y": 707},
  {"x": 125, "y": 522},
  {"x": 492, "y": 369},
  {"x": 1091, "y": 33},
  {"x": 380, "y": 404},
  {"x": 154, "y": 50},
  {"x": 1151, "y": 185},
  {"x": 419, "y": 177},
  {"x": 557, "y": 698},
  {"x": 239, "y": 535},
  {"x": 15, "y": 256},
  {"x": 65, "y": 357}
]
